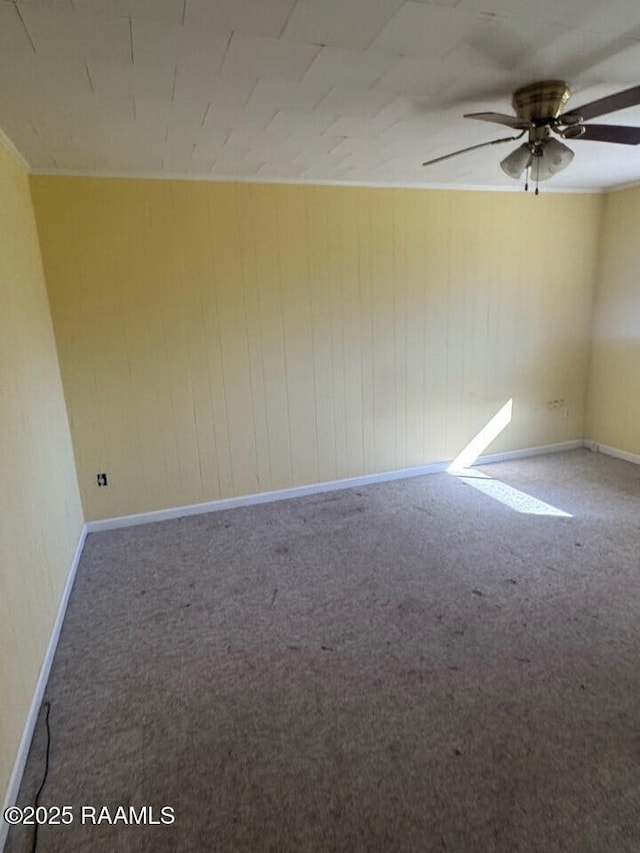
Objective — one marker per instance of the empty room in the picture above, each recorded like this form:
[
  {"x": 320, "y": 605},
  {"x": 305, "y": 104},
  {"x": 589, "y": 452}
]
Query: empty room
[{"x": 320, "y": 426}]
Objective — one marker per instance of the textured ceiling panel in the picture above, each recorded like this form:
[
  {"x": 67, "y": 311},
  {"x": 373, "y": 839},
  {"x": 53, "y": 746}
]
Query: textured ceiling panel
[
  {"x": 167, "y": 11},
  {"x": 340, "y": 24},
  {"x": 254, "y": 57},
  {"x": 322, "y": 90},
  {"x": 59, "y": 33},
  {"x": 182, "y": 46},
  {"x": 334, "y": 66},
  {"x": 251, "y": 17},
  {"x": 286, "y": 94},
  {"x": 428, "y": 31}
]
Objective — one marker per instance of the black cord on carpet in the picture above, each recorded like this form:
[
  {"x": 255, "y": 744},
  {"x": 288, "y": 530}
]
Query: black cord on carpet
[{"x": 34, "y": 844}]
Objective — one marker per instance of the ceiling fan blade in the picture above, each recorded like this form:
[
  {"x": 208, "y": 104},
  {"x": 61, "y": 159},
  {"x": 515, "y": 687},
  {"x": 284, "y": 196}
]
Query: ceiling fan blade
[
  {"x": 500, "y": 118},
  {"x": 610, "y": 104},
  {"x": 471, "y": 148},
  {"x": 611, "y": 133}
]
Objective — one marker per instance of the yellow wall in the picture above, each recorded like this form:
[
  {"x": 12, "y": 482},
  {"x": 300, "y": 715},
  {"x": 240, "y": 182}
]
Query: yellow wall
[
  {"x": 40, "y": 515},
  {"x": 614, "y": 388},
  {"x": 224, "y": 339}
]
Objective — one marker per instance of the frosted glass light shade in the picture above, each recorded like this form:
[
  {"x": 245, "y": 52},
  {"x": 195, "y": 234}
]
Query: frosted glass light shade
[
  {"x": 515, "y": 163},
  {"x": 555, "y": 157}
]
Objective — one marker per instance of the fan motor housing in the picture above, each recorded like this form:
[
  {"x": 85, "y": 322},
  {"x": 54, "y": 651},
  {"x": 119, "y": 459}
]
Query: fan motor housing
[{"x": 543, "y": 101}]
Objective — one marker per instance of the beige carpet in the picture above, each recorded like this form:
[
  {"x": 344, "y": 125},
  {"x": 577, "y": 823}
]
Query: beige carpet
[{"x": 411, "y": 666}]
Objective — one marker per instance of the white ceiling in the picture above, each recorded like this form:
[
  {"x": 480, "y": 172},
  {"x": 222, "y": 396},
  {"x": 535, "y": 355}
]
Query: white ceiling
[{"x": 304, "y": 90}]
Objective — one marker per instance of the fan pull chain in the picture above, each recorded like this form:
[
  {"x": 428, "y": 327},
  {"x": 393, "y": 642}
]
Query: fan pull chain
[{"x": 526, "y": 180}]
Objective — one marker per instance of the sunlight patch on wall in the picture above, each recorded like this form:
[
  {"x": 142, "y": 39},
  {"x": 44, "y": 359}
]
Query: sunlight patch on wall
[{"x": 483, "y": 439}]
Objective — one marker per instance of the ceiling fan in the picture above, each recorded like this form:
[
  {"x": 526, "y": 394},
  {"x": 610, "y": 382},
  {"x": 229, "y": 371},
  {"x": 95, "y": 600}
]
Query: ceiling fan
[{"x": 538, "y": 110}]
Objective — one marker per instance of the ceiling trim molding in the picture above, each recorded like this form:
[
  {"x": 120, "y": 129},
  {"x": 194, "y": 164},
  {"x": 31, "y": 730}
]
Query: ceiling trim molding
[
  {"x": 620, "y": 187},
  {"x": 255, "y": 179},
  {"x": 12, "y": 149}
]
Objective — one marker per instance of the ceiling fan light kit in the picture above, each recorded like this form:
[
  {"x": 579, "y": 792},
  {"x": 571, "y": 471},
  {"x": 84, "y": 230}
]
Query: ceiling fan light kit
[
  {"x": 545, "y": 159},
  {"x": 539, "y": 113}
]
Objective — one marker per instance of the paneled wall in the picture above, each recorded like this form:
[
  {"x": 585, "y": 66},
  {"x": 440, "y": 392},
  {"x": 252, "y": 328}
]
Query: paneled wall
[
  {"x": 614, "y": 388},
  {"x": 222, "y": 339},
  {"x": 40, "y": 516}
]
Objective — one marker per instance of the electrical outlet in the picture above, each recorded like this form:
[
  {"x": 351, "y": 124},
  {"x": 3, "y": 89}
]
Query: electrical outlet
[
  {"x": 102, "y": 480},
  {"x": 566, "y": 412}
]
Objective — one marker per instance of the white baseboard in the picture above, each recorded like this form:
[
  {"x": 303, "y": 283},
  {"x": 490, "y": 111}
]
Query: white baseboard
[
  {"x": 259, "y": 498},
  {"x": 596, "y": 447},
  {"x": 543, "y": 449},
  {"x": 315, "y": 488},
  {"x": 32, "y": 717}
]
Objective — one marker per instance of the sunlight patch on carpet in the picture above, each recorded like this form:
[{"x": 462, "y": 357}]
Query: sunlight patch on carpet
[{"x": 507, "y": 495}]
